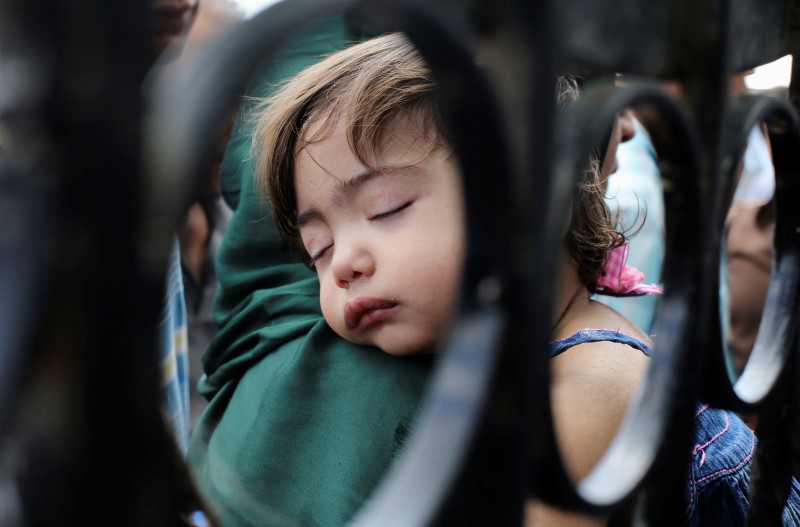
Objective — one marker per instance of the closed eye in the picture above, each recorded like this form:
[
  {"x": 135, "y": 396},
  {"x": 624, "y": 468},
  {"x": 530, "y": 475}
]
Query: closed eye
[
  {"x": 391, "y": 212},
  {"x": 312, "y": 264}
]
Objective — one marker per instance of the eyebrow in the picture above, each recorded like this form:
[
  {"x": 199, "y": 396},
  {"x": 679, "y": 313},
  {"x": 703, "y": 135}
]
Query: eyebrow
[
  {"x": 346, "y": 189},
  {"x": 309, "y": 216}
]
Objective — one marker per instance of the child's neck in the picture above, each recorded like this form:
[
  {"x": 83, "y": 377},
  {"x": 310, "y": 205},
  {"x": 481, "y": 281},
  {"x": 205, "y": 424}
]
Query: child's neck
[{"x": 568, "y": 295}]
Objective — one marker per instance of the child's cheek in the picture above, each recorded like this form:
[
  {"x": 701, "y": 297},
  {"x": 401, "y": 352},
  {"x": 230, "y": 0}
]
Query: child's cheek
[{"x": 325, "y": 300}]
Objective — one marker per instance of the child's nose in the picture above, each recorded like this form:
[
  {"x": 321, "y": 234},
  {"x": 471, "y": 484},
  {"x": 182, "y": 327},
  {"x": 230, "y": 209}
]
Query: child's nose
[{"x": 352, "y": 266}]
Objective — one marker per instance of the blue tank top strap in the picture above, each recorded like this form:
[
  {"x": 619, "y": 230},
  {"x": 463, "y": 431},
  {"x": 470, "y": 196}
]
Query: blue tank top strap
[{"x": 583, "y": 336}]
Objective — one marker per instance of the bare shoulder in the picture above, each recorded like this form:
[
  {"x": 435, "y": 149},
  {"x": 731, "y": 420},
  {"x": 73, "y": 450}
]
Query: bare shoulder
[{"x": 592, "y": 387}]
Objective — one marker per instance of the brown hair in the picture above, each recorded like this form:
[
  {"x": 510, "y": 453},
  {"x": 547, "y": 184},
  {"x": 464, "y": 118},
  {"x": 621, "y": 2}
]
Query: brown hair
[
  {"x": 371, "y": 87},
  {"x": 593, "y": 230}
]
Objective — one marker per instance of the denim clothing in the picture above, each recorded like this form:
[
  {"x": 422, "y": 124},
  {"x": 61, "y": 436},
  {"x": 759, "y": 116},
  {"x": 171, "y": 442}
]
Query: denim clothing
[
  {"x": 721, "y": 457},
  {"x": 720, "y": 478},
  {"x": 718, "y": 486}
]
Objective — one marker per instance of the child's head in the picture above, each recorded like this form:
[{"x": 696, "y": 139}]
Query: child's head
[{"x": 362, "y": 178}]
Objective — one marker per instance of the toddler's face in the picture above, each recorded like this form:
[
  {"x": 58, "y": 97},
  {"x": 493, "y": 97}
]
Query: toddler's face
[{"x": 387, "y": 245}]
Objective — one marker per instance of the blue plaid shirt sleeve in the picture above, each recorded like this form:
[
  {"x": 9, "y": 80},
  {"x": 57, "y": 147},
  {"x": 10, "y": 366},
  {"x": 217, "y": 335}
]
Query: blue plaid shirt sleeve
[{"x": 173, "y": 353}]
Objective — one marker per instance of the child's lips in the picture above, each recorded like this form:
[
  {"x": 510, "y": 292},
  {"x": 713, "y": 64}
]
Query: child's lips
[{"x": 362, "y": 312}]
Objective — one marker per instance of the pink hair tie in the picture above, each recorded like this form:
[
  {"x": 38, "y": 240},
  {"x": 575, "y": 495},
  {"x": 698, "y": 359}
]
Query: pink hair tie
[{"x": 620, "y": 279}]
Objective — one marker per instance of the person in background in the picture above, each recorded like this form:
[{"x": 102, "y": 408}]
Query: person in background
[
  {"x": 749, "y": 232},
  {"x": 169, "y": 24},
  {"x": 748, "y": 237},
  {"x": 635, "y": 196},
  {"x": 201, "y": 233}
]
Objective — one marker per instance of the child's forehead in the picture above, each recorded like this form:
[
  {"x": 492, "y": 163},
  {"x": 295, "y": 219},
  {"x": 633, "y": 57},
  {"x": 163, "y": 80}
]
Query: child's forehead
[
  {"x": 330, "y": 154},
  {"x": 342, "y": 116},
  {"x": 319, "y": 125},
  {"x": 335, "y": 156},
  {"x": 401, "y": 130}
]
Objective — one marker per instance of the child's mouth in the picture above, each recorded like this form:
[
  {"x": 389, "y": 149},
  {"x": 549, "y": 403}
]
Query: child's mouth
[{"x": 361, "y": 313}]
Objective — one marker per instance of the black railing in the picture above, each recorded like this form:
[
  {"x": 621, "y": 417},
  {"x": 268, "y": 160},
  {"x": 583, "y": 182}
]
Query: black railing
[{"x": 88, "y": 204}]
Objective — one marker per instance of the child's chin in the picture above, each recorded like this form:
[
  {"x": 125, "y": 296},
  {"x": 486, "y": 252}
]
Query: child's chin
[
  {"x": 406, "y": 350},
  {"x": 390, "y": 346}
]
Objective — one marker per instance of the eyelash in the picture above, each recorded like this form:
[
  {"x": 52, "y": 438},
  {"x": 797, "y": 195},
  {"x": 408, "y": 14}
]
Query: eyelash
[
  {"x": 312, "y": 264},
  {"x": 392, "y": 212}
]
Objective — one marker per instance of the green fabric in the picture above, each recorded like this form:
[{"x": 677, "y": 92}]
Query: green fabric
[{"x": 301, "y": 424}]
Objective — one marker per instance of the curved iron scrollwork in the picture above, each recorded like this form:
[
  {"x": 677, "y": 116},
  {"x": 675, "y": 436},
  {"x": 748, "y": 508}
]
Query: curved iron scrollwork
[{"x": 662, "y": 399}]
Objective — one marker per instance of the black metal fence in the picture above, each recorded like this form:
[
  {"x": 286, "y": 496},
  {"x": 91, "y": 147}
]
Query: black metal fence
[{"x": 85, "y": 199}]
